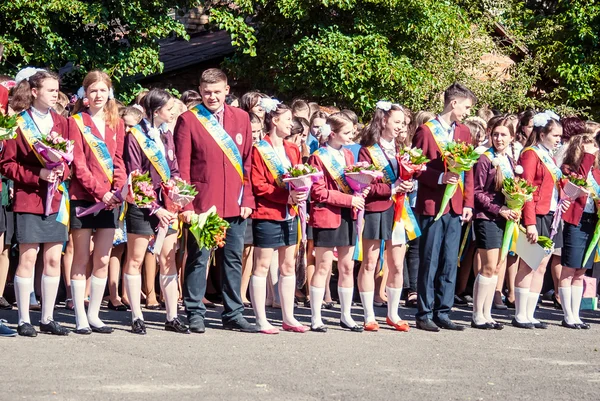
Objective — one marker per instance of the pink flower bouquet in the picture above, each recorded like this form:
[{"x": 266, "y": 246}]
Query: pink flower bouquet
[{"x": 301, "y": 177}]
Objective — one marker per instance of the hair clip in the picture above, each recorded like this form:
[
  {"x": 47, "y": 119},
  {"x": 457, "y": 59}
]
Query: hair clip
[{"x": 268, "y": 104}]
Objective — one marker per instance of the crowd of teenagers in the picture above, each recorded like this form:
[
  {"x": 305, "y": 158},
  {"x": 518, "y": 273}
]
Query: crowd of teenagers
[{"x": 237, "y": 153}]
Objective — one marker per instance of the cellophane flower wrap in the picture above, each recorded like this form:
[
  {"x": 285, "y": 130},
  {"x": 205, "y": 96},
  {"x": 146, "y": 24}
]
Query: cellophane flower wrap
[
  {"x": 141, "y": 191},
  {"x": 517, "y": 192},
  {"x": 301, "y": 178},
  {"x": 176, "y": 194},
  {"x": 410, "y": 162},
  {"x": 55, "y": 150},
  {"x": 573, "y": 186},
  {"x": 459, "y": 157},
  {"x": 359, "y": 176},
  {"x": 209, "y": 229},
  {"x": 8, "y": 127}
]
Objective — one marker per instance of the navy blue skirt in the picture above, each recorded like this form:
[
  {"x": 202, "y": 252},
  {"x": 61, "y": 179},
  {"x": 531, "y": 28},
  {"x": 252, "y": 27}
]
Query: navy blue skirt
[
  {"x": 38, "y": 229},
  {"x": 489, "y": 233},
  {"x": 544, "y": 227},
  {"x": 344, "y": 235},
  {"x": 379, "y": 225},
  {"x": 274, "y": 234},
  {"x": 576, "y": 241}
]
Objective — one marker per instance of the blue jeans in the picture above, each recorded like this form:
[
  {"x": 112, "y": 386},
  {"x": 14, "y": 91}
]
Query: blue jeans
[
  {"x": 438, "y": 253},
  {"x": 230, "y": 258}
]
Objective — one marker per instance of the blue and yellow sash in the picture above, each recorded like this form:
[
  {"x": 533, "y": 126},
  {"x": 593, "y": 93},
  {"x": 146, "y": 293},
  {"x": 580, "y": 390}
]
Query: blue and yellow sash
[
  {"x": 546, "y": 161},
  {"x": 334, "y": 168},
  {"x": 221, "y": 137},
  {"x": 98, "y": 147},
  {"x": 382, "y": 163},
  {"x": 441, "y": 140},
  {"x": 504, "y": 165},
  {"x": 272, "y": 161},
  {"x": 32, "y": 134},
  {"x": 152, "y": 152}
]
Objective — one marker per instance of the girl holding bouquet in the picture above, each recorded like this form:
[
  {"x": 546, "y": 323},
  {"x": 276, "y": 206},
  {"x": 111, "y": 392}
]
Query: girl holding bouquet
[
  {"x": 274, "y": 221},
  {"x": 541, "y": 171},
  {"x": 149, "y": 148},
  {"x": 36, "y": 228},
  {"x": 98, "y": 177},
  {"x": 331, "y": 218},
  {"x": 581, "y": 220},
  {"x": 491, "y": 216},
  {"x": 379, "y": 147}
]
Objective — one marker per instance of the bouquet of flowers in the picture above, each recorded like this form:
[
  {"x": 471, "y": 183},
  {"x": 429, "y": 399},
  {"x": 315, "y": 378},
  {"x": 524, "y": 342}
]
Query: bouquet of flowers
[
  {"x": 458, "y": 158},
  {"x": 176, "y": 194},
  {"x": 141, "y": 191},
  {"x": 209, "y": 229},
  {"x": 8, "y": 127},
  {"x": 55, "y": 150},
  {"x": 360, "y": 176},
  {"x": 301, "y": 177},
  {"x": 573, "y": 186},
  {"x": 516, "y": 191}
]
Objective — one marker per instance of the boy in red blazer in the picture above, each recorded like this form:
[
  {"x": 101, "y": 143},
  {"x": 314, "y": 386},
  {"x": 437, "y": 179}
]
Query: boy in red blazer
[
  {"x": 439, "y": 243},
  {"x": 213, "y": 143}
]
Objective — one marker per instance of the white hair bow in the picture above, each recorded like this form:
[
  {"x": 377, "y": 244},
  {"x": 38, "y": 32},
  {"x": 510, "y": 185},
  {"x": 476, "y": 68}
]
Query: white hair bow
[
  {"x": 268, "y": 104},
  {"x": 325, "y": 131},
  {"x": 27, "y": 73},
  {"x": 384, "y": 105}
]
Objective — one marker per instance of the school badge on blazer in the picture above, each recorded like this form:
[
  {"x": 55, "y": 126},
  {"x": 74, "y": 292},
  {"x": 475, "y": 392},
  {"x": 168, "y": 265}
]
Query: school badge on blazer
[{"x": 239, "y": 139}]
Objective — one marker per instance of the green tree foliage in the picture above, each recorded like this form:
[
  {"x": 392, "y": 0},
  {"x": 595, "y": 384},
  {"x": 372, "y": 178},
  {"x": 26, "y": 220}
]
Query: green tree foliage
[{"x": 118, "y": 36}]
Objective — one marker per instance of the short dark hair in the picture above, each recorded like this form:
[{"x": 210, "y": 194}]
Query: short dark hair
[
  {"x": 213, "y": 76},
  {"x": 458, "y": 91},
  {"x": 154, "y": 100}
]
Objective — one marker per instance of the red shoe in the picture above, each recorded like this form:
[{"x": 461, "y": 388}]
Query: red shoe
[
  {"x": 295, "y": 329},
  {"x": 273, "y": 330},
  {"x": 372, "y": 326},
  {"x": 400, "y": 325}
]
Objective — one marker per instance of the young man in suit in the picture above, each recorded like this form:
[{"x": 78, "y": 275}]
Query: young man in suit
[
  {"x": 213, "y": 143},
  {"x": 440, "y": 239}
]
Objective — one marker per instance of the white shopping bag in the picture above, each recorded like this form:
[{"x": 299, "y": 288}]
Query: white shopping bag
[{"x": 532, "y": 254}]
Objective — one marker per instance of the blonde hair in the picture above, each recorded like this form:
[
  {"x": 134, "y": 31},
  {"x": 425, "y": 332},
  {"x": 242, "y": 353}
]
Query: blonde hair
[{"x": 111, "y": 110}]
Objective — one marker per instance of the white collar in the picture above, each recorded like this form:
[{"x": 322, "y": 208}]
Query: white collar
[{"x": 445, "y": 124}]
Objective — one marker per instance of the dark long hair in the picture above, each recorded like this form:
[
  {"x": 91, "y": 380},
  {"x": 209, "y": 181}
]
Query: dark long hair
[
  {"x": 504, "y": 121},
  {"x": 154, "y": 101},
  {"x": 22, "y": 99},
  {"x": 372, "y": 132},
  {"x": 536, "y": 135}
]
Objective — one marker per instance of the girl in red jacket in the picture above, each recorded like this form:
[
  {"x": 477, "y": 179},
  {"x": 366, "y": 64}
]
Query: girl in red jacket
[
  {"x": 34, "y": 97},
  {"x": 580, "y": 222},
  {"x": 541, "y": 171},
  {"x": 274, "y": 221},
  {"x": 331, "y": 218},
  {"x": 98, "y": 174}
]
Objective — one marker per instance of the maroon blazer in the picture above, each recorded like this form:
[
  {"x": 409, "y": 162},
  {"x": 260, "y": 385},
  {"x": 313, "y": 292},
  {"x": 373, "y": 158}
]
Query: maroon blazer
[
  {"x": 271, "y": 200},
  {"x": 203, "y": 163},
  {"x": 20, "y": 164},
  {"x": 575, "y": 211},
  {"x": 327, "y": 200},
  {"x": 379, "y": 198},
  {"x": 135, "y": 158},
  {"x": 536, "y": 174},
  {"x": 89, "y": 182},
  {"x": 488, "y": 201},
  {"x": 430, "y": 193}
]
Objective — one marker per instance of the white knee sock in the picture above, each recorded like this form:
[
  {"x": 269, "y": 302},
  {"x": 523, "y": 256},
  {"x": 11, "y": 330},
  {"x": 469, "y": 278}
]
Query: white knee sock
[
  {"x": 78, "y": 294},
  {"x": 489, "y": 299},
  {"x": 22, "y": 291},
  {"x": 521, "y": 300},
  {"x": 367, "y": 302},
  {"x": 170, "y": 290},
  {"x": 287, "y": 290},
  {"x": 258, "y": 296},
  {"x": 480, "y": 289},
  {"x": 49, "y": 290},
  {"x": 345, "y": 295},
  {"x": 96, "y": 294},
  {"x": 576, "y": 295},
  {"x": 532, "y": 301},
  {"x": 565, "y": 300},
  {"x": 316, "y": 300},
  {"x": 393, "y": 296},
  {"x": 133, "y": 286}
]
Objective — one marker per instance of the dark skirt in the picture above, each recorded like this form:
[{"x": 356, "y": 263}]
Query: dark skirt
[
  {"x": 9, "y": 218},
  {"x": 544, "y": 227},
  {"x": 489, "y": 233},
  {"x": 248, "y": 237},
  {"x": 104, "y": 218},
  {"x": 274, "y": 234},
  {"x": 378, "y": 225},
  {"x": 3, "y": 220},
  {"x": 576, "y": 241},
  {"x": 38, "y": 229},
  {"x": 344, "y": 235},
  {"x": 139, "y": 221}
]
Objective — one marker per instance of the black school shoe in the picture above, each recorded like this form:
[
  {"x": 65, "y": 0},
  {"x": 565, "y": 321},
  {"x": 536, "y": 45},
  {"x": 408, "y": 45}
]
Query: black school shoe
[
  {"x": 427, "y": 325},
  {"x": 4, "y": 305},
  {"x": 54, "y": 328},
  {"x": 240, "y": 324},
  {"x": 176, "y": 326},
  {"x": 26, "y": 330},
  {"x": 138, "y": 327},
  {"x": 102, "y": 329}
]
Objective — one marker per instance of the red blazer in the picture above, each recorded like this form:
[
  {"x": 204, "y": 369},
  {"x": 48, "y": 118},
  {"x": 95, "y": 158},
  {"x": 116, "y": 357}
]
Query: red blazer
[
  {"x": 89, "y": 182},
  {"x": 327, "y": 200},
  {"x": 203, "y": 163},
  {"x": 430, "y": 193},
  {"x": 20, "y": 164},
  {"x": 575, "y": 211},
  {"x": 379, "y": 198},
  {"x": 271, "y": 200},
  {"x": 3, "y": 100}
]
